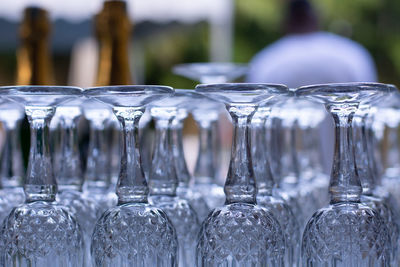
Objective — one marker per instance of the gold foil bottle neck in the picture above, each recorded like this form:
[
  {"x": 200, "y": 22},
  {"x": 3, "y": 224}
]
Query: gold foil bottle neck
[
  {"x": 33, "y": 56},
  {"x": 113, "y": 29}
]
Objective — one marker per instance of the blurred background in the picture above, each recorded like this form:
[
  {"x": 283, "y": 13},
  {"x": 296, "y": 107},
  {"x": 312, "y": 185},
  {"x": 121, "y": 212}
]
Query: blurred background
[{"x": 166, "y": 33}]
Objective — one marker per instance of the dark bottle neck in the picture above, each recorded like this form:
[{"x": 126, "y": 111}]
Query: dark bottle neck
[
  {"x": 33, "y": 57},
  {"x": 113, "y": 33}
]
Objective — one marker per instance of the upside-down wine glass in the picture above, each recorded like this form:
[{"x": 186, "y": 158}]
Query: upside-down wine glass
[
  {"x": 163, "y": 179},
  {"x": 370, "y": 196},
  {"x": 387, "y": 122},
  {"x": 11, "y": 163},
  {"x": 347, "y": 232},
  {"x": 68, "y": 172},
  {"x": 211, "y": 72},
  {"x": 313, "y": 181},
  {"x": 207, "y": 119},
  {"x": 40, "y": 232},
  {"x": 133, "y": 233},
  {"x": 241, "y": 233},
  {"x": 385, "y": 126},
  {"x": 300, "y": 120},
  {"x": 283, "y": 157},
  {"x": 206, "y": 111},
  {"x": 98, "y": 165},
  {"x": 267, "y": 196},
  {"x": 184, "y": 189}
]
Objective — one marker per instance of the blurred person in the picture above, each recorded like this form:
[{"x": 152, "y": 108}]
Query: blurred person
[{"x": 306, "y": 55}]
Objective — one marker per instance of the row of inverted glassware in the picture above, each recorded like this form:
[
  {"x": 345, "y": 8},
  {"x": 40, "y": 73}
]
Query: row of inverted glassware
[{"x": 238, "y": 233}]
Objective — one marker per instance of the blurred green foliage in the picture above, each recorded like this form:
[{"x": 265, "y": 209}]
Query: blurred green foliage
[
  {"x": 257, "y": 23},
  {"x": 373, "y": 23}
]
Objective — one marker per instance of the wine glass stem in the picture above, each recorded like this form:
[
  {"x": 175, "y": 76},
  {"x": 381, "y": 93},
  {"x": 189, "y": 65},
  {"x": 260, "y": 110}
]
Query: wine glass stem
[
  {"x": 345, "y": 185},
  {"x": 163, "y": 178},
  {"x": 67, "y": 166},
  {"x": 40, "y": 183},
  {"x": 240, "y": 182},
  {"x": 98, "y": 166},
  {"x": 261, "y": 166},
  {"x": 179, "y": 157},
  {"x": 11, "y": 164},
  {"x": 373, "y": 162},
  {"x": 204, "y": 170},
  {"x": 132, "y": 185},
  {"x": 362, "y": 157}
]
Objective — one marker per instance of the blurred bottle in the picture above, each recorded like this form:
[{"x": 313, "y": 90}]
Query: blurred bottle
[
  {"x": 33, "y": 56},
  {"x": 33, "y": 59},
  {"x": 113, "y": 30}
]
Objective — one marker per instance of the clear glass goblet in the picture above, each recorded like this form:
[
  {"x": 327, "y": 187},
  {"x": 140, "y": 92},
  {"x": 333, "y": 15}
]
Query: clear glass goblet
[
  {"x": 241, "y": 233},
  {"x": 184, "y": 189},
  {"x": 68, "y": 172},
  {"x": 282, "y": 157},
  {"x": 40, "y": 232},
  {"x": 206, "y": 111},
  {"x": 294, "y": 187},
  {"x": 163, "y": 179},
  {"x": 208, "y": 162},
  {"x": 134, "y": 233},
  {"x": 313, "y": 181},
  {"x": 267, "y": 194},
  {"x": 347, "y": 233},
  {"x": 386, "y": 124},
  {"x": 98, "y": 166},
  {"x": 12, "y": 171},
  {"x": 370, "y": 196}
]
